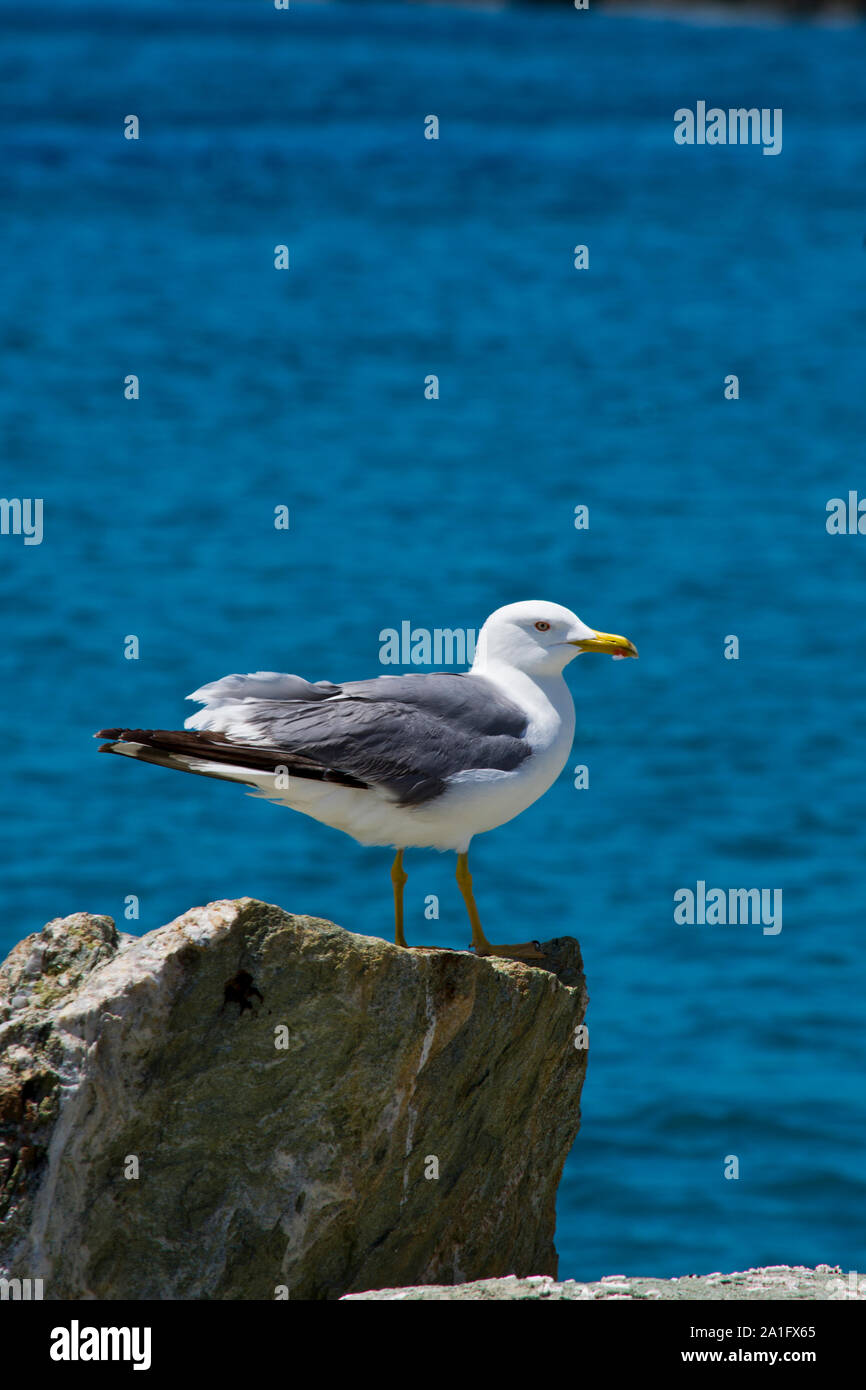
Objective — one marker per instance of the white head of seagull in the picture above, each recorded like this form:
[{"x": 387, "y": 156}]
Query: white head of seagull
[{"x": 540, "y": 639}]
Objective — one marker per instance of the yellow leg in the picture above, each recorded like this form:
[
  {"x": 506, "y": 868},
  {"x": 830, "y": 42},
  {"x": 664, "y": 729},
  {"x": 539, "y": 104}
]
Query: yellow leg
[
  {"x": 398, "y": 878},
  {"x": 528, "y": 950}
]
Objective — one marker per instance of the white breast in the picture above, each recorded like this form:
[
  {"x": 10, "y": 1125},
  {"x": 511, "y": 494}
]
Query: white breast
[
  {"x": 488, "y": 798},
  {"x": 473, "y": 802}
]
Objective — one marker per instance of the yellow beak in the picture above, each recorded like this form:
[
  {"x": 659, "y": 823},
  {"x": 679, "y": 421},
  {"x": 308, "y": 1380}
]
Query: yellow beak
[{"x": 606, "y": 642}]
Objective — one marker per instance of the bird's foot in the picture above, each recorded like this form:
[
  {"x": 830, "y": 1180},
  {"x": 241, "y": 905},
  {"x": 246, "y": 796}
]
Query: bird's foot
[{"x": 525, "y": 950}]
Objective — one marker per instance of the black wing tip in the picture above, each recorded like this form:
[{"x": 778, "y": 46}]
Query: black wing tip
[{"x": 161, "y": 745}]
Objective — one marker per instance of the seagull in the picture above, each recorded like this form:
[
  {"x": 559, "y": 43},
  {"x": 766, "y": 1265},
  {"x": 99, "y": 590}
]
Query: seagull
[{"x": 415, "y": 761}]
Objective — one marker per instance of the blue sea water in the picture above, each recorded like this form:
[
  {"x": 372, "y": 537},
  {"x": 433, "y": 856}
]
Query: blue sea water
[{"x": 601, "y": 387}]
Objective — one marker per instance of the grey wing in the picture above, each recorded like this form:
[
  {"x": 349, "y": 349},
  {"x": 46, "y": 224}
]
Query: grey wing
[{"x": 406, "y": 734}]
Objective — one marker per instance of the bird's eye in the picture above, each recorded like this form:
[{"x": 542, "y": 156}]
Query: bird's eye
[{"x": 542, "y": 627}]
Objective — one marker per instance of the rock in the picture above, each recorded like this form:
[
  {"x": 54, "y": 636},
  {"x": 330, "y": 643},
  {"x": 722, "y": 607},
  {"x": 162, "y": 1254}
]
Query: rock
[
  {"x": 775, "y": 1282},
  {"x": 285, "y": 1091}
]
